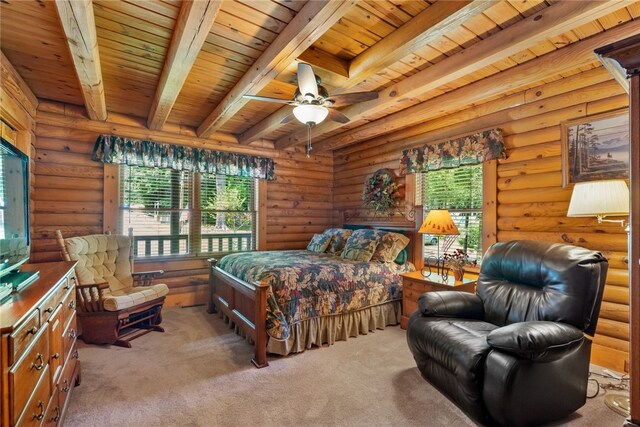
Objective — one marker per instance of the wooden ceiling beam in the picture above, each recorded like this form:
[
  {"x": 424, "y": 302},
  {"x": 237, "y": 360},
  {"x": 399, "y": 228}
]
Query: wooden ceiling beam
[
  {"x": 415, "y": 119},
  {"x": 321, "y": 59},
  {"x": 549, "y": 22},
  {"x": 12, "y": 82},
  {"x": 78, "y": 24},
  {"x": 313, "y": 20},
  {"x": 427, "y": 26},
  {"x": 192, "y": 28}
]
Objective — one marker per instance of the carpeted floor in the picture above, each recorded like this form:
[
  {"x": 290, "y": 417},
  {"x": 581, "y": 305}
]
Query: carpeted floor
[{"x": 198, "y": 373}]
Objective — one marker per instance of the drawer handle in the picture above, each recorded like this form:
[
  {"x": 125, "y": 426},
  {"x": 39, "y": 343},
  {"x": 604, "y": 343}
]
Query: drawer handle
[
  {"x": 55, "y": 356},
  {"x": 40, "y": 365},
  {"x": 32, "y": 330},
  {"x": 39, "y": 416},
  {"x": 76, "y": 354},
  {"x": 49, "y": 310},
  {"x": 57, "y": 417},
  {"x": 66, "y": 386},
  {"x": 72, "y": 304},
  {"x": 72, "y": 333}
]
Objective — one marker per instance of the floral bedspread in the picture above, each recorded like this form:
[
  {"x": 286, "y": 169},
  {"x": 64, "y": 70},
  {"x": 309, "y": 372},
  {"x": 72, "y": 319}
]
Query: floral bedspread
[{"x": 305, "y": 284}]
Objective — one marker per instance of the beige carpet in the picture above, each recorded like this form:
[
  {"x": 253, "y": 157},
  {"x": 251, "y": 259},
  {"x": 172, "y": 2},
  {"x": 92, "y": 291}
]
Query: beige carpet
[{"x": 198, "y": 374}]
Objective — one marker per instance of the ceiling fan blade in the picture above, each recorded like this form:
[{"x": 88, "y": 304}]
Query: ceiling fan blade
[
  {"x": 307, "y": 80},
  {"x": 287, "y": 119},
  {"x": 337, "y": 116},
  {"x": 267, "y": 99},
  {"x": 343, "y": 99}
]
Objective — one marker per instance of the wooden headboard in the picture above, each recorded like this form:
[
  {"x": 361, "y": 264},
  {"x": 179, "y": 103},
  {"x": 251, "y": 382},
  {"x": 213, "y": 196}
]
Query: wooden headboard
[{"x": 407, "y": 227}]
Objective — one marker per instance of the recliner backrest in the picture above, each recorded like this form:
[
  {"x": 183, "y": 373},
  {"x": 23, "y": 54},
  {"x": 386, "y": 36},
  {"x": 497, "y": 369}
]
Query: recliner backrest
[
  {"x": 526, "y": 280},
  {"x": 102, "y": 258}
]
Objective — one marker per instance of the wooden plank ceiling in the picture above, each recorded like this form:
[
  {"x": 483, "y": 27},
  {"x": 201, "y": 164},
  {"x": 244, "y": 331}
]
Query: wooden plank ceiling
[{"x": 188, "y": 63}]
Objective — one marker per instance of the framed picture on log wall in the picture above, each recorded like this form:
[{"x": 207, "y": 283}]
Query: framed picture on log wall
[{"x": 595, "y": 148}]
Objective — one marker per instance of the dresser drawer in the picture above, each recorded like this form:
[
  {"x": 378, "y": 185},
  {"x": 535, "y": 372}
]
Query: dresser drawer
[
  {"x": 27, "y": 371},
  {"x": 68, "y": 307},
  {"x": 23, "y": 336},
  {"x": 56, "y": 349},
  {"x": 36, "y": 408},
  {"x": 66, "y": 382},
  {"x": 69, "y": 337},
  {"x": 52, "y": 416},
  {"x": 49, "y": 305}
]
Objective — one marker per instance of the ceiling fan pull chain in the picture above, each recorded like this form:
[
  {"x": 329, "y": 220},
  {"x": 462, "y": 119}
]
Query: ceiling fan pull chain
[{"x": 308, "y": 140}]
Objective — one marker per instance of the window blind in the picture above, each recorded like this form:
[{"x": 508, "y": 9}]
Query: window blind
[
  {"x": 178, "y": 212},
  {"x": 460, "y": 191},
  {"x": 228, "y": 213},
  {"x": 155, "y": 204}
]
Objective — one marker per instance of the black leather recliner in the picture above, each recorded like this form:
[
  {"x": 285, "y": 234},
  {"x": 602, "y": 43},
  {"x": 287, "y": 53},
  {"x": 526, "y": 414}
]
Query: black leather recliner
[{"x": 514, "y": 353}]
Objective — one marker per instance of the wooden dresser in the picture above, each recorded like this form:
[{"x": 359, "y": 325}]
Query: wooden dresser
[
  {"x": 38, "y": 347},
  {"x": 414, "y": 285}
]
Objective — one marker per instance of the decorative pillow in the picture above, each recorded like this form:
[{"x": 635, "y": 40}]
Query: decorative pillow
[
  {"x": 319, "y": 243},
  {"x": 339, "y": 238},
  {"x": 361, "y": 245},
  {"x": 389, "y": 247}
]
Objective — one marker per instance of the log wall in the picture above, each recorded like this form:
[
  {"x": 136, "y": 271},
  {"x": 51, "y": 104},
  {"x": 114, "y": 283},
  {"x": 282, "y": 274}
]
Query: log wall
[
  {"x": 70, "y": 187},
  {"x": 531, "y": 201}
]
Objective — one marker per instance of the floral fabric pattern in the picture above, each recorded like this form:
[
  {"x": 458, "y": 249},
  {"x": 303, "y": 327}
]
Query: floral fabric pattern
[
  {"x": 339, "y": 239},
  {"x": 389, "y": 247},
  {"x": 361, "y": 244},
  {"x": 319, "y": 242},
  {"x": 469, "y": 150},
  {"x": 304, "y": 284},
  {"x": 135, "y": 152}
]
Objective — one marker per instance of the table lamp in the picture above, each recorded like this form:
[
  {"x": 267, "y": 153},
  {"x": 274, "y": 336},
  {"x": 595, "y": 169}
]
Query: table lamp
[{"x": 439, "y": 223}]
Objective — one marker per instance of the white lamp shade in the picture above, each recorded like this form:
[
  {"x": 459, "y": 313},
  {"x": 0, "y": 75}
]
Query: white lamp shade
[
  {"x": 309, "y": 113},
  {"x": 599, "y": 198}
]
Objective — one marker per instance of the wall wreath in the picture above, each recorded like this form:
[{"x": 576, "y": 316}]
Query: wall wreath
[{"x": 381, "y": 192}]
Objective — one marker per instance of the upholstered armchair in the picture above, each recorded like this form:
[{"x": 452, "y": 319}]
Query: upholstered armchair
[
  {"x": 517, "y": 352},
  {"x": 114, "y": 304}
]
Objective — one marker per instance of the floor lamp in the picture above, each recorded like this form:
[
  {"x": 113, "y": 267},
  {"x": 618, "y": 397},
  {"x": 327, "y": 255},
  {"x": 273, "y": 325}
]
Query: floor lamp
[
  {"x": 602, "y": 199},
  {"x": 439, "y": 223}
]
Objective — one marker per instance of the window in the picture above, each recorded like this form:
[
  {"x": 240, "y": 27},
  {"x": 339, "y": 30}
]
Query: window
[
  {"x": 460, "y": 191},
  {"x": 185, "y": 213}
]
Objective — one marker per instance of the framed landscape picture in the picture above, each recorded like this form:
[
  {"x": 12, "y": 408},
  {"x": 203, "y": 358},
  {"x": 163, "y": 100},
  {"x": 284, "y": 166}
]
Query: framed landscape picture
[{"x": 595, "y": 148}]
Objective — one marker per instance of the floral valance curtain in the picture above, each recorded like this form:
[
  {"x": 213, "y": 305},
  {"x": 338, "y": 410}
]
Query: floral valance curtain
[
  {"x": 468, "y": 150},
  {"x": 135, "y": 152}
]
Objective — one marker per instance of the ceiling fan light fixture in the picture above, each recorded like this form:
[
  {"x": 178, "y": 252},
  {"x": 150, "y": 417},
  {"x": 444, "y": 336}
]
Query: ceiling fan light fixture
[{"x": 310, "y": 114}]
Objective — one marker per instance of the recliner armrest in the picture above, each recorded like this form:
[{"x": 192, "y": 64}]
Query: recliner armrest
[
  {"x": 539, "y": 341},
  {"x": 451, "y": 304}
]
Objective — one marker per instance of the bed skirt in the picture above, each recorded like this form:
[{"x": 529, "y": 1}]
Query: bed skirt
[{"x": 329, "y": 329}]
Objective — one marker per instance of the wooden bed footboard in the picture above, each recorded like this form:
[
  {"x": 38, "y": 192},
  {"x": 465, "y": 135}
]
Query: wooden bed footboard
[{"x": 244, "y": 303}]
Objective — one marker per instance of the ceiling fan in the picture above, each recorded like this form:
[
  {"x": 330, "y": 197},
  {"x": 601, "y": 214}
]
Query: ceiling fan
[{"x": 313, "y": 103}]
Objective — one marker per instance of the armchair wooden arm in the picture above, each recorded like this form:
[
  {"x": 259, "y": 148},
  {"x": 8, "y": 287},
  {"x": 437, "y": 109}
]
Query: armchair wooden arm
[
  {"x": 144, "y": 278},
  {"x": 90, "y": 297}
]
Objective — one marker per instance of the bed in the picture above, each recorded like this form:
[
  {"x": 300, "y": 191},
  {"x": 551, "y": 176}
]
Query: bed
[{"x": 287, "y": 301}]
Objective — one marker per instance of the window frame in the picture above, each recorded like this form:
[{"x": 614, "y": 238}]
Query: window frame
[
  {"x": 112, "y": 212},
  {"x": 489, "y": 206}
]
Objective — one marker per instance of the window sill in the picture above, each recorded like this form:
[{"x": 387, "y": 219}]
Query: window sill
[{"x": 183, "y": 257}]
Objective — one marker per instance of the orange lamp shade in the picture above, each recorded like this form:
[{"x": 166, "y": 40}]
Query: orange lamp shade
[{"x": 438, "y": 222}]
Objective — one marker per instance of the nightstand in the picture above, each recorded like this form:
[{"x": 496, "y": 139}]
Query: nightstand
[{"x": 415, "y": 284}]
